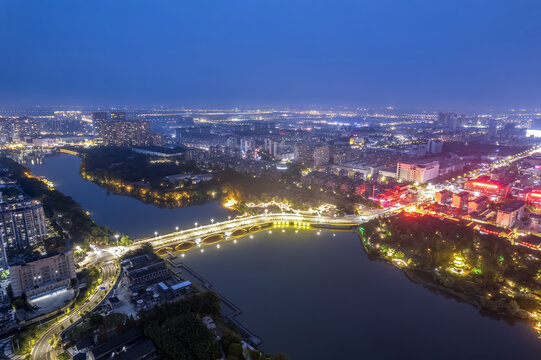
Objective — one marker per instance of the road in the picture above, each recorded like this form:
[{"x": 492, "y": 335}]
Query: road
[{"x": 42, "y": 349}]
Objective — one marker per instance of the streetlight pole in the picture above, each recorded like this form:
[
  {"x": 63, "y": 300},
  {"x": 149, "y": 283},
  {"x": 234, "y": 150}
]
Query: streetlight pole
[{"x": 116, "y": 237}]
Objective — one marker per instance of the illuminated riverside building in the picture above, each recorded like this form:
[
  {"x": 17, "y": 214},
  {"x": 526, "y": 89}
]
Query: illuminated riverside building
[
  {"x": 126, "y": 133},
  {"x": 417, "y": 172},
  {"x": 484, "y": 185},
  {"x": 42, "y": 275},
  {"x": 22, "y": 225}
]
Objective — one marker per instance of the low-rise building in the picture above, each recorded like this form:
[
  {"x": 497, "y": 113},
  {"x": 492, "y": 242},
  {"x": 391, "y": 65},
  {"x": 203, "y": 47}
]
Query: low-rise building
[
  {"x": 129, "y": 345},
  {"x": 460, "y": 200},
  {"x": 478, "y": 204},
  {"x": 417, "y": 172},
  {"x": 152, "y": 272},
  {"x": 486, "y": 186},
  {"x": 7, "y": 315},
  {"x": 442, "y": 197},
  {"x": 510, "y": 212}
]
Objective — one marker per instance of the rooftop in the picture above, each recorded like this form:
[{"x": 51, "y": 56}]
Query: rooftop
[{"x": 511, "y": 206}]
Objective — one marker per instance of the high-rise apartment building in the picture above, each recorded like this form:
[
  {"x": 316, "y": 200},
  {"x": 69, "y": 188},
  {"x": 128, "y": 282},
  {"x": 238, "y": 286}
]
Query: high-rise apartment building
[
  {"x": 449, "y": 120},
  {"x": 98, "y": 118},
  {"x": 22, "y": 224},
  {"x": 339, "y": 158},
  {"x": 322, "y": 155},
  {"x": 42, "y": 275},
  {"x": 271, "y": 147},
  {"x": 232, "y": 143},
  {"x": 303, "y": 154},
  {"x": 126, "y": 133},
  {"x": 118, "y": 116},
  {"x": 492, "y": 128},
  {"x": 435, "y": 146},
  {"x": 247, "y": 145},
  {"x": 25, "y": 126}
]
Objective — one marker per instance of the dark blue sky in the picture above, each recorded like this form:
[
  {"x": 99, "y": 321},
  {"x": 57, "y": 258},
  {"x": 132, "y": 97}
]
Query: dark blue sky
[{"x": 447, "y": 55}]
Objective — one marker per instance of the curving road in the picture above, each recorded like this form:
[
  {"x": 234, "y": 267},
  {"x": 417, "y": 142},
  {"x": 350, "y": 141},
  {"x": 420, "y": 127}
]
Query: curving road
[{"x": 42, "y": 349}]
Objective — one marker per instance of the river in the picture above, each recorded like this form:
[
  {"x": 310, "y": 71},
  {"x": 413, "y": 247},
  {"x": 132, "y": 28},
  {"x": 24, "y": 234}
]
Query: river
[{"x": 313, "y": 296}]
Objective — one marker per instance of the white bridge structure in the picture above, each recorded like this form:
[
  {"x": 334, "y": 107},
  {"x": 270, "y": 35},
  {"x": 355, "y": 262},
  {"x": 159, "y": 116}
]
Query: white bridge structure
[{"x": 229, "y": 228}]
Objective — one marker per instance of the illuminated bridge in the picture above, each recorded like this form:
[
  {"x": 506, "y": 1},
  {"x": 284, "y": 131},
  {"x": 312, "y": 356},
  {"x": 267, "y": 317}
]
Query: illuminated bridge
[{"x": 213, "y": 233}]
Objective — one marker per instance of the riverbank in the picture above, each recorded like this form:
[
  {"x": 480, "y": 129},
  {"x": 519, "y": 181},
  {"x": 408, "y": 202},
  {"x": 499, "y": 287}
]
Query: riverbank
[
  {"x": 174, "y": 183},
  {"x": 66, "y": 216},
  {"x": 452, "y": 259}
]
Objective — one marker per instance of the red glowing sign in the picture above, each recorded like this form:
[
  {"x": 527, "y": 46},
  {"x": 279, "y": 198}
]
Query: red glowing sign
[
  {"x": 533, "y": 197},
  {"x": 485, "y": 185}
]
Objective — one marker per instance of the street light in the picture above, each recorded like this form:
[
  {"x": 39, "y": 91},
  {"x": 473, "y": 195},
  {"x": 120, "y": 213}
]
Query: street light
[
  {"x": 229, "y": 217},
  {"x": 195, "y": 224},
  {"x": 212, "y": 221},
  {"x": 155, "y": 233},
  {"x": 176, "y": 228},
  {"x": 116, "y": 237}
]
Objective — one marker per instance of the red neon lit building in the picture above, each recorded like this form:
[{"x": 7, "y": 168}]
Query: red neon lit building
[
  {"x": 533, "y": 197},
  {"x": 486, "y": 186}
]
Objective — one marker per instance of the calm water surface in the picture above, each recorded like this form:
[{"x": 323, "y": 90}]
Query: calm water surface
[{"x": 310, "y": 296}]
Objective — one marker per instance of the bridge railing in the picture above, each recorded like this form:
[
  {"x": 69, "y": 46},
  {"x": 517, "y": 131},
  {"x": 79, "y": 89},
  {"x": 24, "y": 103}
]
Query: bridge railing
[{"x": 247, "y": 221}]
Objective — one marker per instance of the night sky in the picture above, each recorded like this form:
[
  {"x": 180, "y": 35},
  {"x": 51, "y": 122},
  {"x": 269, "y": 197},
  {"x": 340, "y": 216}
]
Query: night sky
[{"x": 443, "y": 55}]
